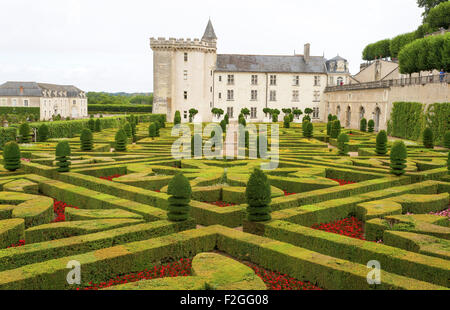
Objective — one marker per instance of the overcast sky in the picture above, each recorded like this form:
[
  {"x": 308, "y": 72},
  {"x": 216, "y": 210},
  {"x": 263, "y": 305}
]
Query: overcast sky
[{"x": 103, "y": 45}]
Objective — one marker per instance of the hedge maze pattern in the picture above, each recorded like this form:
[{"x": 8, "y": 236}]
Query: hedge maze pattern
[{"x": 109, "y": 212}]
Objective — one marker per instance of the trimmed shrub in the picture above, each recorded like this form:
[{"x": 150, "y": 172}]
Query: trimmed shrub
[
  {"x": 24, "y": 131},
  {"x": 343, "y": 144},
  {"x": 241, "y": 120},
  {"x": 308, "y": 130},
  {"x": 157, "y": 127},
  {"x": 227, "y": 119},
  {"x": 98, "y": 125},
  {"x": 329, "y": 126},
  {"x": 287, "y": 121},
  {"x": 121, "y": 141},
  {"x": 86, "y": 140},
  {"x": 258, "y": 195},
  {"x": 381, "y": 147},
  {"x": 428, "y": 140},
  {"x": 398, "y": 158},
  {"x": 43, "y": 133},
  {"x": 291, "y": 117},
  {"x": 91, "y": 124},
  {"x": 335, "y": 129},
  {"x": 181, "y": 192},
  {"x": 223, "y": 125},
  {"x": 133, "y": 131},
  {"x": 363, "y": 125},
  {"x": 11, "y": 156},
  {"x": 62, "y": 155},
  {"x": 447, "y": 140},
  {"x": 197, "y": 138},
  {"x": 7, "y": 134},
  {"x": 371, "y": 126},
  {"x": 177, "y": 118},
  {"x": 127, "y": 129},
  {"x": 330, "y": 117},
  {"x": 448, "y": 163},
  {"x": 406, "y": 120},
  {"x": 275, "y": 118},
  {"x": 152, "y": 130}
]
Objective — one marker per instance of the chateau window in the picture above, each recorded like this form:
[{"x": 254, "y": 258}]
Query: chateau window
[
  {"x": 254, "y": 80},
  {"x": 3, "y": 101},
  {"x": 296, "y": 81},
  {"x": 295, "y": 95},
  {"x": 185, "y": 56},
  {"x": 25, "y": 102},
  {"x": 185, "y": 95},
  {"x": 185, "y": 74},
  {"x": 230, "y": 112},
  {"x": 273, "y": 80},
  {"x": 185, "y": 115},
  {"x": 317, "y": 80},
  {"x": 316, "y": 112},
  {"x": 273, "y": 95},
  {"x": 331, "y": 80},
  {"x": 254, "y": 95},
  {"x": 220, "y": 78},
  {"x": 74, "y": 102},
  {"x": 14, "y": 102},
  {"x": 340, "y": 81},
  {"x": 220, "y": 95},
  {"x": 316, "y": 95},
  {"x": 230, "y": 79},
  {"x": 253, "y": 113},
  {"x": 230, "y": 95}
]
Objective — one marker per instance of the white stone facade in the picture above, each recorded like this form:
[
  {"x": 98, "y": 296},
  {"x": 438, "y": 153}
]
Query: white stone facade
[{"x": 190, "y": 74}]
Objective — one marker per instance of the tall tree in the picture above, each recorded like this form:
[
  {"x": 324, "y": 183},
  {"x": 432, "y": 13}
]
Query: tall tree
[{"x": 428, "y": 5}]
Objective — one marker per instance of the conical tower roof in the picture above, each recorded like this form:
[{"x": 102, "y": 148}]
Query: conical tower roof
[{"x": 209, "y": 35}]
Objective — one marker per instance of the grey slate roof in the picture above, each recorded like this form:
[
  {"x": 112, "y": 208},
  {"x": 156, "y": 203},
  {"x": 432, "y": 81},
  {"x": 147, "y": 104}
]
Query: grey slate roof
[
  {"x": 30, "y": 89},
  {"x": 274, "y": 64},
  {"x": 338, "y": 58},
  {"x": 209, "y": 34},
  {"x": 33, "y": 89}
]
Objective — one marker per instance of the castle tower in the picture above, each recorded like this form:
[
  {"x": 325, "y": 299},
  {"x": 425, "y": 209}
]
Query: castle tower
[{"x": 183, "y": 71}]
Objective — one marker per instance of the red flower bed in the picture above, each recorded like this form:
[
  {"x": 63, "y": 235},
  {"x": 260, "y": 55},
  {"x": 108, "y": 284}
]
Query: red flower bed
[
  {"x": 221, "y": 204},
  {"x": 21, "y": 243},
  {"x": 181, "y": 268},
  {"x": 112, "y": 177},
  {"x": 342, "y": 182},
  {"x": 350, "y": 227},
  {"x": 278, "y": 281},
  {"x": 288, "y": 194},
  {"x": 59, "y": 208}
]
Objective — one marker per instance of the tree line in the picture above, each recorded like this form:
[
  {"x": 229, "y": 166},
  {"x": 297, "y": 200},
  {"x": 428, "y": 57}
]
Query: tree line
[{"x": 119, "y": 98}]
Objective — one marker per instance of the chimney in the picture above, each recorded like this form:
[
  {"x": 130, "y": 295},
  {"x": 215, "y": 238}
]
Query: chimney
[
  {"x": 306, "y": 52},
  {"x": 21, "y": 90}
]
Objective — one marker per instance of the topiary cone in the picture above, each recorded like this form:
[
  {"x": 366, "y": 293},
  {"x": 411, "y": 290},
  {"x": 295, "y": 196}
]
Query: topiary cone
[
  {"x": 121, "y": 141},
  {"x": 11, "y": 156},
  {"x": 86, "y": 140},
  {"x": 398, "y": 158},
  {"x": 62, "y": 155},
  {"x": 180, "y": 191},
  {"x": 428, "y": 140},
  {"x": 342, "y": 144},
  {"x": 381, "y": 146},
  {"x": 258, "y": 195}
]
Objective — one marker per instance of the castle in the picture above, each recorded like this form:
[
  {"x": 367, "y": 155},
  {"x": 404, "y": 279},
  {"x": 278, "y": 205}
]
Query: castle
[{"x": 190, "y": 74}]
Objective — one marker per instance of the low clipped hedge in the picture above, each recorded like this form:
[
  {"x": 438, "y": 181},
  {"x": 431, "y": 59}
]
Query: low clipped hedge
[
  {"x": 130, "y": 108},
  {"x": 64, "y": 129},
  {"x": 36, "y": 111},
  {"x": 39, "y": 252},
  {"x": 11, "y": 231},
  {"x": 420, "y": 267}
]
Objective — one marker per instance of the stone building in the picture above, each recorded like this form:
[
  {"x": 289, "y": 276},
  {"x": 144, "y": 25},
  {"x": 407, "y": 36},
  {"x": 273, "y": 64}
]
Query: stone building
[
  {"x": 65, "y": 100},
  {"x": 190, "y": 74},
  {"x": 371, "y": 93}
]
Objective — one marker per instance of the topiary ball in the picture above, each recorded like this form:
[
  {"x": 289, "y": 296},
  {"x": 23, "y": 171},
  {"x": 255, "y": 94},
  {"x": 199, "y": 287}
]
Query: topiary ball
[{"x": 11, "y": 156}]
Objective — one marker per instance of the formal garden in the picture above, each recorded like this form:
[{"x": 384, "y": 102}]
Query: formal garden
[{"x": 107, "y": 193}]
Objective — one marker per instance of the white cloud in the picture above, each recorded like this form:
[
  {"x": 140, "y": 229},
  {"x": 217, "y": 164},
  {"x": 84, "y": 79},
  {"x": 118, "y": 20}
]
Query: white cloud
[{"x": 104, "y": 44}]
